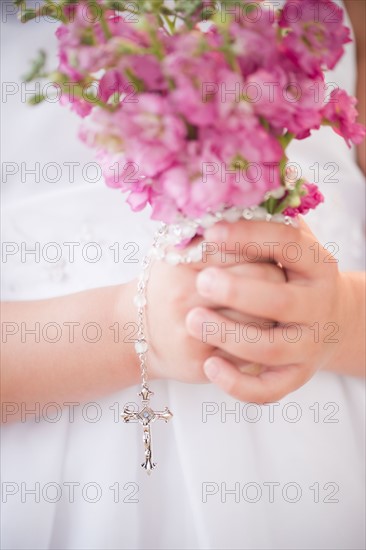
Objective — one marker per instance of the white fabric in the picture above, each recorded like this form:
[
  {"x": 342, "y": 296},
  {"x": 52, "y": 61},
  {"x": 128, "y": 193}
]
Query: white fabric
[{"x": 182, "y": 505}]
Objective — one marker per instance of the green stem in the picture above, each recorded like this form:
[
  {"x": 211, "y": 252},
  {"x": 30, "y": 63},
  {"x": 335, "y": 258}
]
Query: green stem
[
  {"x": 105, "y": 28},
  {"x": 171, "y": 24},
  {"x": 78, "y": 92},
  {"x": 286, "y": 139}
]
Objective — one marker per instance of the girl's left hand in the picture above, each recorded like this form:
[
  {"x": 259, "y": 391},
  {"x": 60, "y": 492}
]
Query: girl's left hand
[{"x": 309, "y": 309}]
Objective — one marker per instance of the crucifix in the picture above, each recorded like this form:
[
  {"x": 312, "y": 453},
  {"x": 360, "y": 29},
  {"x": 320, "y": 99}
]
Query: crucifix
[{"x": 146, "y": 416}]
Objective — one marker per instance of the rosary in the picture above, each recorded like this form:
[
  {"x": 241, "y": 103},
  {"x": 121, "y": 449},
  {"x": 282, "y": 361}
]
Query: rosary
[{"x": 170, "y": 236}]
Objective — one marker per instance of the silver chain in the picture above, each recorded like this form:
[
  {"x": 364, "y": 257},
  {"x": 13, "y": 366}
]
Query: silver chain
[{"x": 140, "y": 300}]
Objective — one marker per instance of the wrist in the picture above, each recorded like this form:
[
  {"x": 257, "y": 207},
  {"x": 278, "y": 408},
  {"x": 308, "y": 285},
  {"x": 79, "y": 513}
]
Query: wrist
[
  {"x": 123, "y": 316},
  {"x": 349, "y": 358}
]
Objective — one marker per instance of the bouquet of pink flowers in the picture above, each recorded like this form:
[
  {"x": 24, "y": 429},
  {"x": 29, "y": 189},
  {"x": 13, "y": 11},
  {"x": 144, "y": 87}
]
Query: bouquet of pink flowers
[{"x": 191, "y": 104}]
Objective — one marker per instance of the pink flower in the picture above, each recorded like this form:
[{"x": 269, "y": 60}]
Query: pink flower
[
  {"x": 123, "y": 28},
  {"x": 151, "y": 158},
  {"x": 233, "y": 110},
  {"x": 112, "y": 82},
  {"x": 138, "y": 199},
  {"x": 190, "y": 69},
  {"x": 258, "y": 169},
  {"x": 191, "y": 184},
  {"x": 341, "y": 114},
  {"x": 316, "y": 34},
  {"x": 309, "y": 201},
  {"x": 163, "y": 209},
  {"x": 146, "y": 68},
  {"x": 148, "y": 132},
  {"x": 119, "y": 174},
  {"x": 84, "y": 45},
  {"x": 199, "y": 177},
  {"x": 286, "y": 98},
  {"x": 78, "y": 105},
  {"x": 152, "y": 119},
  {"x": 254, "y": 37},
  {"x": 103, "y": 131},
  {"x": 138, "y": 68}
]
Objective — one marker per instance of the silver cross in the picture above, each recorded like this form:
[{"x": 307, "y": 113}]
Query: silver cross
[{"x": 146, "y": 416}]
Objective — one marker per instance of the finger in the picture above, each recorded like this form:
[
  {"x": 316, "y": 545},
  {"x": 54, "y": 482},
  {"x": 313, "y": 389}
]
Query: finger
[
  {"x": 279, "y": 301},
  {"x": 244, "y": 241},
  {"x": 263, "y": 271},
  {"x": 243, "y": 366},
  {"x": 272, "y": 346},
  {"x": 269, "y": 386}
]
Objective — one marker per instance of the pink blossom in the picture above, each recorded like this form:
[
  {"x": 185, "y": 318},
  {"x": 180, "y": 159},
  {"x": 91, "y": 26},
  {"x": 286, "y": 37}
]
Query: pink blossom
[
  {"x": 139, "y": 68},
  {"x": 103, "y": 131},
  {"x": 233, "y": 110},
  {"x": 309, "y": 201},
  {"x": 145, "y": 68},
  {"x": 341, "y": 114},
  {"x": 229, "y": 168},
  {"x": 79, "y": 105},
  {"x": 112, "y": 82},
  {"x": 286, "y": 98},
  {"x": 193, "y": 189},
  {"x": 138, "y": 199},
  {"x": 152, "y": 120},
  {"x": 316, "y": 34},
  {"x": 84, "y": 46},
  {"x": 163, "y": 209},
  {"x": 191, "y": 69},
  {"x": 154, "y": 133},
  {"x": 254, "y": 38},
  {"x": 121, "y": 28},
  {"x": 257, "y": 155}
]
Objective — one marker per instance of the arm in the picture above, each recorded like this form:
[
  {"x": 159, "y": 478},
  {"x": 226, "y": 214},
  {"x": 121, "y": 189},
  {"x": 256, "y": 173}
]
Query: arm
[
  {"x": 351, "y": 357},
  {"x": 357, "y": 12},
  {"x": 72, "y": 368}
]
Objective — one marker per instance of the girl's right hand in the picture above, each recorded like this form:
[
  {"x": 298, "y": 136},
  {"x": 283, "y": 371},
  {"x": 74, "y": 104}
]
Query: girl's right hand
[{"x": 171, "y": 294}]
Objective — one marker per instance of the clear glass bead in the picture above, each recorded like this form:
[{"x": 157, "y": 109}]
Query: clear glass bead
[
  {"x": 139, "y": 300},
  {"x": 247, "y": 214},
  {"x": 173, "y": 258},
  {"x": 141, "y": 346},
  {"x": 195, "y": 254},
  {"x": 208, "y": 221},
  {"x": 231, "y": 215}
]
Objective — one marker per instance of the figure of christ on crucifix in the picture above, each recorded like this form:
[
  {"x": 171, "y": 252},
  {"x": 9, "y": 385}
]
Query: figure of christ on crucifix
[{"x": 146, "y": 416}]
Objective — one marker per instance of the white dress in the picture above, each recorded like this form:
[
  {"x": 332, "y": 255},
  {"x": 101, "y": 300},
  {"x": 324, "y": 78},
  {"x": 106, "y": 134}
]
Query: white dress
[{"x": 282, "y": 477}]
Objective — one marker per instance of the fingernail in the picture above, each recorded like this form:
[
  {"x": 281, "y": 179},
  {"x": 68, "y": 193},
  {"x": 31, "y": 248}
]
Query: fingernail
[
  {"x": 217, "y": 233},
  {"x": 206, "y": 281},
  {"x": 211, "y": 368}
]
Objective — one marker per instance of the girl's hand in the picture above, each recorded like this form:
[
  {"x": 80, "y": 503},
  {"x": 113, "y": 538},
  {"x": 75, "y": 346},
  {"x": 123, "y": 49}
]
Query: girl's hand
[
  {"x": 309, "y": 309},
  {"x": 172, "y": 293}
]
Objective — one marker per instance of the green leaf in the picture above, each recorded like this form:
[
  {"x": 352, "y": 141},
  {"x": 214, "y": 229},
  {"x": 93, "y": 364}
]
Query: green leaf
[
  {"x": 116, "y": 5},
  {"x": 36, "y": 99},
  {"x": 27, "y": 15},
  {"x": 37, "y": 68}
]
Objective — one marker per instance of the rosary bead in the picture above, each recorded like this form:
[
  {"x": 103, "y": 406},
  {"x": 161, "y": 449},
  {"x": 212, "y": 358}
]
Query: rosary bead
[
  {"x": 141, "y": 346},
  {"x": 139, "y": 300},
  {"x": 173, "y": 258},
  {"x": 232, "y": 215}
]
